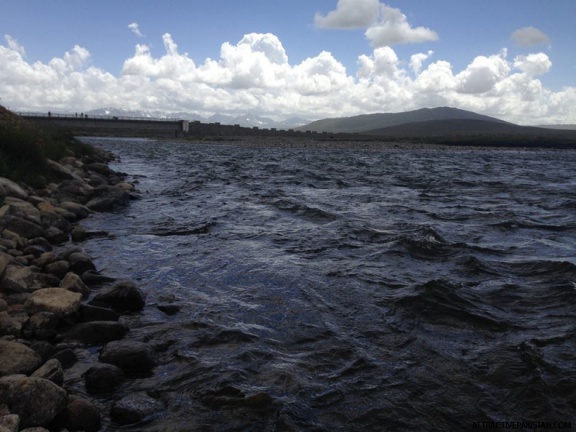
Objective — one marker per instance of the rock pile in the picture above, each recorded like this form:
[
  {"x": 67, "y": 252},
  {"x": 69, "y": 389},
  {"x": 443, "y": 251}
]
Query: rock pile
[{"x": 49, "y": 304}]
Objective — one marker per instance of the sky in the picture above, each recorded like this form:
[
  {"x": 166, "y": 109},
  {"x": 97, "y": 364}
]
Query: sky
[{"x": 511, "y": 59}]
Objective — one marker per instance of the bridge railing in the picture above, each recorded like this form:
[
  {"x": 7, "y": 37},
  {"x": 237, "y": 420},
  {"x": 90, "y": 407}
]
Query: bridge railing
[{"x": 95, "y": 116}]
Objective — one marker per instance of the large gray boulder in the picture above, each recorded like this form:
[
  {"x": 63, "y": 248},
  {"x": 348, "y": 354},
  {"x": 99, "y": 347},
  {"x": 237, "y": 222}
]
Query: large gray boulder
[
  {"x": 16, "y": 358},
  {"x": 37, "y": 401},
  {"x": 9, "y": 188},
  {"x": 19, "y": 279},
  {"x": 21, "y": 208},
  {"x": 56, "y": 300}
]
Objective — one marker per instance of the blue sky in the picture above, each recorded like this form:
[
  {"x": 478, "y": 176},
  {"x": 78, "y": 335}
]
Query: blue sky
[{"x": 308, "y": 58}]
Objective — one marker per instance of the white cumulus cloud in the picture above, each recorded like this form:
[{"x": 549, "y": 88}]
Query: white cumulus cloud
[
  {"x": 255, "y": 75},
  {"x": 350, "y": 14},
  {"x": 393, "y": 28},
  {"x": 529, "y": 36}
]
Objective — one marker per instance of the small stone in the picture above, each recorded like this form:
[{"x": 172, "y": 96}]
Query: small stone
[
  {"x": 81, "y": 262},
  {"x": 9, "y": 423}
]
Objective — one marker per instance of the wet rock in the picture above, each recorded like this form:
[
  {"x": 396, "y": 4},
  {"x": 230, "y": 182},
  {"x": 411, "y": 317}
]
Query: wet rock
[
  {"x": 73, "y": 190},
  {"x": 16, "y": 358},
  {"x": 51, "y": 371},
  {"x": 130, "y": 355},
  {"x": 107, "y": 197},
  {"x": 122, "y": 297},
  {"x": 73, "y": 282},
  {"x": 81, "y": 262},
  {"x": 58, "y": 268},
  {"x": 67, "y": 357},
  {"x": 9, "y": 188},
  {"x": 5, "y": 259},
  {"x": 92, "y": 277},
  {"x": 79, "y": 415},
  {"x": 35, "y": 250},
  {"x": 134, "y": 408},
  {"x": 20, "y": 226},
  {"x": 88, "y": 313},
  {"x": 43, "y": 348},
  {"x": 97, "y": 332},
  {"x": 169, "y": 309},
  {"x": 40, "y": 241},
  {"x": 37, "y": 401},
  {"x": 57, "y": 300},
  {"x": 103, "y": 378}
]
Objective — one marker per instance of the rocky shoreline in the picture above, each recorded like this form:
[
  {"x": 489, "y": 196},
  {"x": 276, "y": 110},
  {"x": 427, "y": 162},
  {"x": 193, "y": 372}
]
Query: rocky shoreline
[{"x": 54, "y": 304}]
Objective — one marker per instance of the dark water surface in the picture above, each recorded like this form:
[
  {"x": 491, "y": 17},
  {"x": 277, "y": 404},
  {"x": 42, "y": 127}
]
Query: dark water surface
[{"x": 349, "y": 290}]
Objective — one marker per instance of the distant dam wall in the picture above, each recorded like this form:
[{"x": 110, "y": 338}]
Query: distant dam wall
[
  {"x": 144, "y": 127},
  {"x": 114, "y": 126}
]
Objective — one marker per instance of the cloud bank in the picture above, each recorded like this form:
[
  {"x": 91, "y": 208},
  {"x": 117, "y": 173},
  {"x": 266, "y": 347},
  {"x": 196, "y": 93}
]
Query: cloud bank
[{"x": 255, "y": 75}]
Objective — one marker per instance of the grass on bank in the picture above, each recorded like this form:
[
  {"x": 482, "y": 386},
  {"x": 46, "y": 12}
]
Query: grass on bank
[{"x": 25, "y": 148}]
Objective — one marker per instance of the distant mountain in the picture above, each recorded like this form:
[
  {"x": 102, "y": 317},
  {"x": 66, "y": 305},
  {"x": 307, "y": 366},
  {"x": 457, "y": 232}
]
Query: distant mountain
[
  {"x": 370, "y": 122},
  {"x": 453, "y": 127},
  {"x": 560, "y": 127}
]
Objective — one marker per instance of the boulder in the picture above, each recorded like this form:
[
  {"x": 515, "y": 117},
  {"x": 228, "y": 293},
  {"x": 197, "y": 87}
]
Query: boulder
[
  {"x": 73, "y": 282},
  {"x": 169, "y": 309},
  {"x": 16, "y": 358},
  {"x": 57, "y": 300},
  {"x": 37, "y": 401},
  {"x": 55, "y": 235},
  {"x": 58, "y": 268},
  {"x": 19, "y": 279},
  {"x": 62, "y": 172},
  {"x": 129, "y": 355},
  {"x": 97, "y": 332},
  {"x": 134, "y": 408},
  {"x": 21, "y": 208},
  {"x": 122, "y": 297},
  {"x": 43, "y": 325},
  {"x": 67, "y": 357},
  {"x": 107, "y": 197},
  {"x": 73, "y": 190},
  {"x": 79, "y": 210},
  {"x": 5, "y": 259},
  {"x": 81, "y": 262},
  {"x": 103, "y": 378},
  {"x": 79, "y": 415},
  {"x": 22, "y": 227},
  {"x": 51, "y": 371},
  {"x": 11, "y": 189}
]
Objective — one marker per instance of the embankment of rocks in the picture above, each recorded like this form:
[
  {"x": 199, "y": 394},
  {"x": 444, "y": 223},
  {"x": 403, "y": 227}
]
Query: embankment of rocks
[{"x": 54, "y": 301}]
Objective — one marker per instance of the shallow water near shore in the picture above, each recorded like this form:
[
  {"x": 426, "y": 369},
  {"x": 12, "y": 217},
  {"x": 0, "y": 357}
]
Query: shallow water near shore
[{"x": 348, "y": 290}]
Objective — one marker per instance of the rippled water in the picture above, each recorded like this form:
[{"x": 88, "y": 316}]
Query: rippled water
[{"x": 349, "y": 290}]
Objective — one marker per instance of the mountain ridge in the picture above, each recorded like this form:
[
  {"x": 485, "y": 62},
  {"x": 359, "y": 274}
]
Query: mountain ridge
[{"x": 368, "y": 122}]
